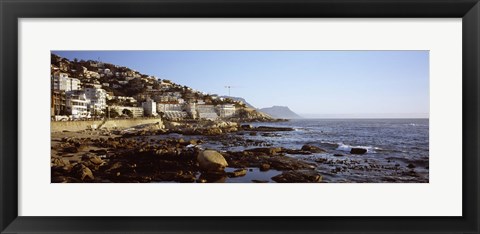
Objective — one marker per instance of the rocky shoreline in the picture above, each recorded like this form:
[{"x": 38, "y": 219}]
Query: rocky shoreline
[{"x": 137, "y": 155}]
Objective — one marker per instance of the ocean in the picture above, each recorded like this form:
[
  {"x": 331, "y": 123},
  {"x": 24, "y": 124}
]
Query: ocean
[{"x": 397, "y": 149}]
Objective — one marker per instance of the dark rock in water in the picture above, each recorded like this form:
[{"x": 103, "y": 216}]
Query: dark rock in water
[
  {"x": 338, "y": 155},
  {"x": 247, "y": 126},
  {"x": 238, "y": 173},
  {"x": 272, "y": 129},
  {"x": 296, "y": 151},
  {"x": 410, "y": 165},
  {"x": 264, "y": 167},
  {"x": 213, "y": 177},
  {"x": 298, "y": 177},
  {"x": 358, "y": 151},
  {"x": 82, "y": 172},
  {"x": 313, "y": 149},
  {"x": 268, "y": 151},
  {"x": 253, "y": 134}
]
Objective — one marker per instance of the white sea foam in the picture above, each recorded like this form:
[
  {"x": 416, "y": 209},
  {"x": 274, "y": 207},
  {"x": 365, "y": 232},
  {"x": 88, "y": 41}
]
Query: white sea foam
[{"x": 345, "y": 147}]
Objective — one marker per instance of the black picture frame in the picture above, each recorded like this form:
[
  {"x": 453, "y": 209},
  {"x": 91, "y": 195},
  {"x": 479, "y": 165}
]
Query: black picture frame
[{"x": 12, "y": 10}]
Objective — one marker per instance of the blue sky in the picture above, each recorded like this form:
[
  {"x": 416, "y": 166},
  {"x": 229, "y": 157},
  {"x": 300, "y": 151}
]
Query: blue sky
[{"x": 312, "y": 83}]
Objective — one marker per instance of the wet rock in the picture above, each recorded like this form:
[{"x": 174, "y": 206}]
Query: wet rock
[
  {"x": 410, "y": 165},
  {"x": 313, "y": 149},
  {"x": 268, "y": 151},
  {"x": 60, "y": 162},
  {"x": 298, "y": 177},
  {"x": 213, "y": 132},
  {"x": 338, "y": 155},
  {"x": 264, "y": 167},
  {"x": 99, "y": 152},
  {"x": 211, "y": 160},
  {"x": 238, "y": 173},
  {"x": 296, "y": 151},
  {"x": 92, "y": 161},
  {"x": 246, "y": 126},
  {"x": 70, "y": 149},
  {"x": 272, "y": 129},
  {"x": 82, "y": 172},
  {"x": 358, "y": 151},
  {"x": 213, "y": 177}
]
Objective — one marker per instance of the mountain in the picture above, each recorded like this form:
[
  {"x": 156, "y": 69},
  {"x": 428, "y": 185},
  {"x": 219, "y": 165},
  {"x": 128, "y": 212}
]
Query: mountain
[
  {"x": 239, "y": 99},
  {"x": 282, "y": 112}
]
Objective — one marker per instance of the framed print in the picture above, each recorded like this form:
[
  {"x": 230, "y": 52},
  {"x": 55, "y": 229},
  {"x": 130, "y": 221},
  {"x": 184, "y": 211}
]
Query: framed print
[{"x": 269, "y": 116}]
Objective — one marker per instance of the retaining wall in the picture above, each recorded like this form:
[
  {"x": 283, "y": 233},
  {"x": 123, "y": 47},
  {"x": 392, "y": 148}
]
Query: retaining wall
[{"x": 58, "y": 126}]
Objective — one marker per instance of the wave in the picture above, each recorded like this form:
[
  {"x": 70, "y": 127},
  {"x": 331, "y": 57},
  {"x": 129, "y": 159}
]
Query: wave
[
  {"x": 416, "y": 125},
  {"x": 345, "y": 147}
]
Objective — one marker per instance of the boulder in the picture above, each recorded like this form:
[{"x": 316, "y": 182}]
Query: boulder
[
  {"x": 298, "y": 177},
  {"x": 60, "y": 162},
  {"x": 213, "y": 131},
  {"x": 211, "y": 160},
  {"x": 358, "y": 151},
  {"x": 269, "y": 151},
  {"x": 264, "y": 167},
  {"x": 82, "y": 172},
  {"x": 238, "y": 173},
  {"x": 313, "y": 149}
]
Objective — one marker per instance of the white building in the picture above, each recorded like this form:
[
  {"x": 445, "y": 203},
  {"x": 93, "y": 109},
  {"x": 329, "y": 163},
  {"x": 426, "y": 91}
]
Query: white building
[
  {"x": 226, "y": 110},
  {"x": 149, "y": 107},
  {"x": 77, "y": 104},
  {"x": 206, "y": 112},
  {"x": 172, "y": 111},
  {"x": 163, "y": 107},
  {"x": 98, "y": 100},
  {"x": 61, "y": 82},
  {"x": 125, "y": 99}
]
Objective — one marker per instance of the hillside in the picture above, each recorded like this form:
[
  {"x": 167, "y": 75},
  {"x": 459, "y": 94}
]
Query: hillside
[
  {"x": 282, "y": 112},
  {"x": 123, "y": 83},
  {"x": 239, "y": 99}
]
